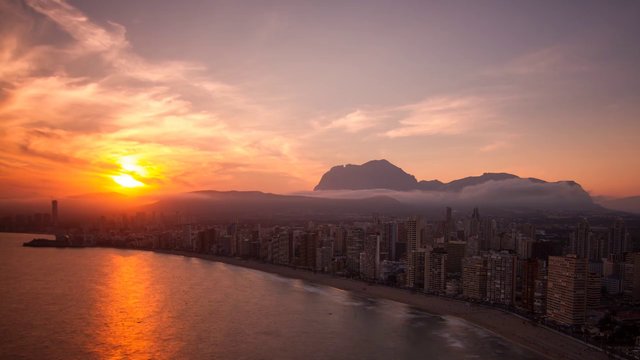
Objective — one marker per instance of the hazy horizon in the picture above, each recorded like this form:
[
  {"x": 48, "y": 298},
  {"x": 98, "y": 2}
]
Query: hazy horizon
[{"x": 150, "y": 100}]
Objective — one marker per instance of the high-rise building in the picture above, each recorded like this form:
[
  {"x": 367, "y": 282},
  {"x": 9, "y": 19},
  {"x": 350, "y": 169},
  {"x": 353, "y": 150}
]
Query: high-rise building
[
  {"x": 370, "y": 263},
  {"x": 618, "y": 238},
  {"x": 598, "y": 243},
  {"x": 448, "y": 225},
  {"x": 631, "y": 277},
  {"x": 473, "y": 246},
  {"x": 540, "y": 289},
  {"x": 281, "y": 248},
  {"x": 455, "y": 253},
  {"x": 488, "y": 236},
  {"x": 308, "y": 249},
  {"x": 567, "y": 283},
  {"x": 530, "y": 274},
  {"x": 581, "y": 240},
  {"x": 341, "y": 241},
  {"x": 355, "y": 246},
  {"x": 324, "y": 256},
  {"x": 415, "y": 278},
  {"x": 525, "y": 247},
  {"x": 414, "y": 228},
  {"x": 390, "y": 237},
  {"x": 54, "y": 212},
  {"x": 474, "y": 277},
  {"x": 474, "y": 223},
  {"x": 594, "y": 289},
  {"x": 501, "y": 277},
  {"x": 206, "y": 240},
  {"x": 435, "y": 267}
]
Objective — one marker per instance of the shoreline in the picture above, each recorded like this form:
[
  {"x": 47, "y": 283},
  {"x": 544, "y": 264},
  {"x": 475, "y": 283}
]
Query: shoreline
[{"x": 541, "y": 340}]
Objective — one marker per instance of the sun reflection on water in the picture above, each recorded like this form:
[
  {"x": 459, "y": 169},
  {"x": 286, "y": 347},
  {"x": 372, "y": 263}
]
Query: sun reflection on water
[{"x": 128, "y": 311}]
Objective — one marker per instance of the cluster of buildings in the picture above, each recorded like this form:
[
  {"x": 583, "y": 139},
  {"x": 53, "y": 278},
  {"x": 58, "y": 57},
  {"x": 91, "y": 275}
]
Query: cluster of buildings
[
  {"x": 572, "y": 280},
  {"x": 41, "y": 222},
  {"x": 479, "y": 259},
  {"x": 489, "y": 260}
]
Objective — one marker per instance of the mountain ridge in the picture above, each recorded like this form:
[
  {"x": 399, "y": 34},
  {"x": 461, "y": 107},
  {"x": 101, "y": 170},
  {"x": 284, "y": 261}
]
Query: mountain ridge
[{"x": 382, "y": 174}]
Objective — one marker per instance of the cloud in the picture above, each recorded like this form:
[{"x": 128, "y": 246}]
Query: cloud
[
  {"x": 502, "y": 142},
  {"x": 353, "y": 122},
  {"x": 513, "y": 193},
  {"x": 441, "y": 116},
  {"x": 438, "y": 115},
  {"x": 72, "y": 106}
]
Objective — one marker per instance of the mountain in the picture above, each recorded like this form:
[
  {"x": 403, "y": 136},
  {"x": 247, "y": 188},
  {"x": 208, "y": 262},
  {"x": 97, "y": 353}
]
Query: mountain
[
  {"x": 344, "y": 192},
  {"x": 497, "y": 190},
  {"x": 231, "y": 205},
  {"x": 381, "y": 174},
  {"x": 513, "y": 196},
  {"x": 457, "y": 185},
  {"x": 375, "y": 174}
]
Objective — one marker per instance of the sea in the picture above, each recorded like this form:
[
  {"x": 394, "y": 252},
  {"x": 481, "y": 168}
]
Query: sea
[{"x": 101, "y": 303}]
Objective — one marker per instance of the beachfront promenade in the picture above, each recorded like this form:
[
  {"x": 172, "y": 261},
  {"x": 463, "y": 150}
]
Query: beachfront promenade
[{"x": 542, "y": 340}]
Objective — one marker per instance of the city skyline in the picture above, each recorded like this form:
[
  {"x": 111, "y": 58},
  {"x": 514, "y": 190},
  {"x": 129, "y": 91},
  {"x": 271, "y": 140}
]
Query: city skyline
[
  {"x": 299, "y": 179},
  {"x": 153, "y": 100},
  {"x": 568, "y": 276}
]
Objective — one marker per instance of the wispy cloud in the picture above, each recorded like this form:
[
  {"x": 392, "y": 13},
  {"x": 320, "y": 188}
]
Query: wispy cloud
[
  {"x": 501, "y": 142},
  {"x": 74, "y": 107},
  {"x": 441, "y": 116},
  {"x": 352, "y": 122}
]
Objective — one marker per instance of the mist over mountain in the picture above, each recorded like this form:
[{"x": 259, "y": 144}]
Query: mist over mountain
[
  {"x": 347, "y": 192},
  {"x": 493, "y": 190},
  {"x": 628, "y": 204},
  {"x": 381, "y": 187},
  {"x": 231, "y": 205},
  {"x": 381, "y": 174}
]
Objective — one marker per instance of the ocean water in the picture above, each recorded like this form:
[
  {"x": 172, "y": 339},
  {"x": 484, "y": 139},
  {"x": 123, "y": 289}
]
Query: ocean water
[{"x": 96, "y": 303}]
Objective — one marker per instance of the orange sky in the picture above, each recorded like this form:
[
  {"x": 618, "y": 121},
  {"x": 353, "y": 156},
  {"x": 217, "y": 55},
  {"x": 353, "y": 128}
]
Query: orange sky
[{"x": 268, "y": 98}]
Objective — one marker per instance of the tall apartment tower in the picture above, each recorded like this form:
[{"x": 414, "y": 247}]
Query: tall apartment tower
[
  {"x": 435, "y": 270},
  {"x": 370, "y": 263},
  {"x": 571, "y": 289},
  {"x": 618, "y": 238},
  {"x": 448, "y": 225},
  {"x": 54, "y": 212},
  {"x": 581, "y": 239},
  {"x": 530, "y": 276},
  {"x": 415, "y": 258},
  {"x": 455, "y": 253},
  {"x": 474, "y": 224},
  {"x": 390, "y": 236},
  {"x": 474, "y": 277},
  {"x": 501, "y": 278}
]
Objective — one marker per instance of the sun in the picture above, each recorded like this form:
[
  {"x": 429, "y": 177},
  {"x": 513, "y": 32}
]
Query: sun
[
  {"x": 130, "y": 173},
  {"x": 127, "y": 181},
  {"x": 130, "y": 164}
]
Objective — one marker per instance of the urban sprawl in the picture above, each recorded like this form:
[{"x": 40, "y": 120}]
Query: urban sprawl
[{"x": 578, "y": 278}]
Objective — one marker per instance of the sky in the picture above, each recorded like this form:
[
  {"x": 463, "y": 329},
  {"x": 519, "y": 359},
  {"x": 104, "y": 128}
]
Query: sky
[{"x": 158, "y": 97}]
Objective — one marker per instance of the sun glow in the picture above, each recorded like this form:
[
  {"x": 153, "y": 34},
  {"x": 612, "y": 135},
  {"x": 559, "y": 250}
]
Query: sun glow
[
  {"x": 130, "y": 164},
  {"x": 131, "y": 173},
  {"x": 127, "y": 181}
]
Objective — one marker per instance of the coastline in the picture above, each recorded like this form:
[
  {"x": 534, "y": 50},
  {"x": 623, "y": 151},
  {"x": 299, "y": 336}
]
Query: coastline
[{"x": 539, "y": 339}]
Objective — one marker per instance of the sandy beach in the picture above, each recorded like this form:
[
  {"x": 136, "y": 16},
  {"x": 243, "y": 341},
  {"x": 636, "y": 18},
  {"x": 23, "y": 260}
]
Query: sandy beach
[{"x": 546, "y": 342}]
